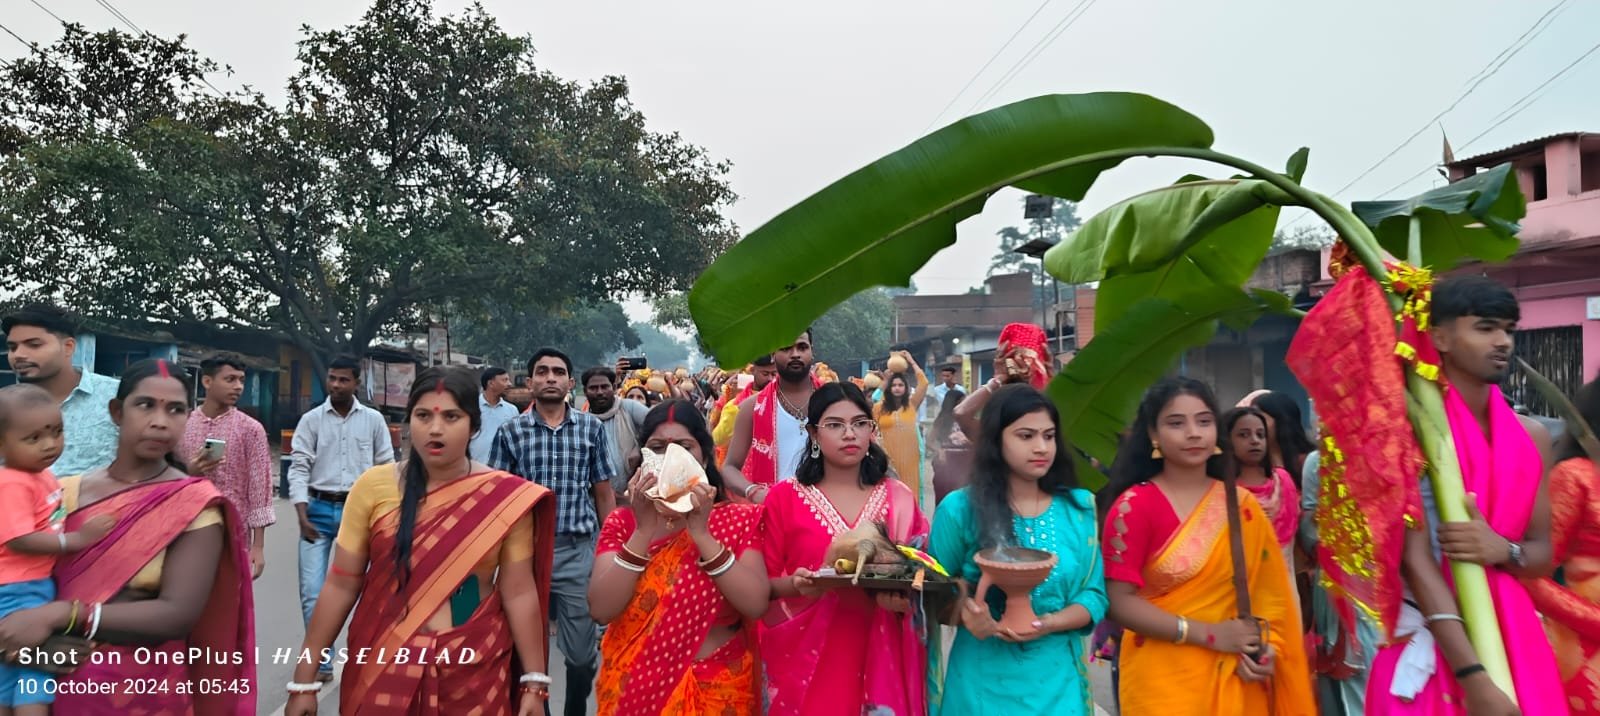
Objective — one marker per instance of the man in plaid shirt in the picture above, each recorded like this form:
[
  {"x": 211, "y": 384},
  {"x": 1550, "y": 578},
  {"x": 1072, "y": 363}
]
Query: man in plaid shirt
[{"x": 568, "y": 452}]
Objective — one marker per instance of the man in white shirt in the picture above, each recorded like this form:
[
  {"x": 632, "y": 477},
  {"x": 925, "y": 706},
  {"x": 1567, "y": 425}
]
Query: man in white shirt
[
  {"x": 937, "y": 394},
  {"x": 496, "y": 411},
  {"x": 334, "y": 443}
]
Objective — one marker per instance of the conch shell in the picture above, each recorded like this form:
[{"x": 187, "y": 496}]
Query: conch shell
[{"x": 676, "y": 471}]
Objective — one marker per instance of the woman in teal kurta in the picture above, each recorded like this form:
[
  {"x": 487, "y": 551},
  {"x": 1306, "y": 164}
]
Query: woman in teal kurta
[{"x": 1023, "y": 493}]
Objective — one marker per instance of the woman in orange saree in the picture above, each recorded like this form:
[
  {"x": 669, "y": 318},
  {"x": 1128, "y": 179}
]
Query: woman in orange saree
[
  {"x": 1572, "y": 611},
  {"x": 679, "y": 593},
  {"x": 1170, "y": 575},
  {"x": 450, "y": 561},
  {"x": 172, "y": 576}
]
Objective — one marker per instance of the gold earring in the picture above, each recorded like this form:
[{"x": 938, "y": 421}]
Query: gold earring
[
  {"x": 1155, "y": 451},
  {"x": 1216, "y": 450}
]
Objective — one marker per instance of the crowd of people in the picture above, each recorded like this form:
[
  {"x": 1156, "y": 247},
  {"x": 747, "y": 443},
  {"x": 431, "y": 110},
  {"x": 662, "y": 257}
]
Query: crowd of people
[{"x": 134, "y": 520}]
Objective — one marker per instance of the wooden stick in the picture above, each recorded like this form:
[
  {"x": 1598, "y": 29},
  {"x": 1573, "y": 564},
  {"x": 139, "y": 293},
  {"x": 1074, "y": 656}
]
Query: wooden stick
[{"x": 1241, "y": 579}]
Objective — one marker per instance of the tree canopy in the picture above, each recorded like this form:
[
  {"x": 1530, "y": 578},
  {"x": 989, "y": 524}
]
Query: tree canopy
[{"x": 418, "y": 161}]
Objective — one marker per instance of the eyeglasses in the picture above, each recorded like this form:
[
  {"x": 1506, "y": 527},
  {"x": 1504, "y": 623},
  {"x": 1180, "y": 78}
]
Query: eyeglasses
[{"x": 836, "y": 427}]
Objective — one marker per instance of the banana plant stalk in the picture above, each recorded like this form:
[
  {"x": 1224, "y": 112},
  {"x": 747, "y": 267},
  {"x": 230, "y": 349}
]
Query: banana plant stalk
[
  {"x": 1581, "y": 431},
  {"x": 1426, "y": 409}
]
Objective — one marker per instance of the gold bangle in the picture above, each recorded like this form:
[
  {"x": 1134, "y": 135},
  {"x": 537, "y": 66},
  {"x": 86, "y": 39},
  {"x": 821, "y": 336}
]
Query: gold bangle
[{"x": 1183, "y": 631}]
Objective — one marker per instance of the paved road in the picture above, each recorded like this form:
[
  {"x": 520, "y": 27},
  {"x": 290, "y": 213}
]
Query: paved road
[{"x": 279, "y": 628}]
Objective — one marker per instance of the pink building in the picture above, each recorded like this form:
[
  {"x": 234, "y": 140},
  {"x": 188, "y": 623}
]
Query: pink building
[{"x": 1556, "y": 272}]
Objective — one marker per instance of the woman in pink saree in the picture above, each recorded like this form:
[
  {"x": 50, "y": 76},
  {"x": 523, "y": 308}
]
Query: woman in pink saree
[
  {"x": 838, "y": 651},
  {"x": 171, "y": 578}
]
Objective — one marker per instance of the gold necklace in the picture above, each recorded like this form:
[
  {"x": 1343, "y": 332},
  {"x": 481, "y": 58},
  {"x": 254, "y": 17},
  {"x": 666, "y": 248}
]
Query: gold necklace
[{"x": 789, "y": 407}]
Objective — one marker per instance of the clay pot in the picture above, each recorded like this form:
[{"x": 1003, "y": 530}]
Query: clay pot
[
  {"x": 1016, "y": 571},
  {"x": 898, "y": 364}
]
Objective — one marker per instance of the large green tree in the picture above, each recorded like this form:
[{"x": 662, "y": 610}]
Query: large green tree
[
  {"x": 507, "y": 335},
  {"x": 418, "y": 161}
]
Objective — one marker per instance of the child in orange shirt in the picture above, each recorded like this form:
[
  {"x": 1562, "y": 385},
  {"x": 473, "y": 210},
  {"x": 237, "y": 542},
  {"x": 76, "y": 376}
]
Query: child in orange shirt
[{"x": 31, "y": 514}]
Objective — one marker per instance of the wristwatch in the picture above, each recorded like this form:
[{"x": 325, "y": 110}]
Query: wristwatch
[{"x": 1515, "y": 551}]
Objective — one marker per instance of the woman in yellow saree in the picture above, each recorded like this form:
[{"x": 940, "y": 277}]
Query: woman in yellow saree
[{"x": 1170, "y": 575}]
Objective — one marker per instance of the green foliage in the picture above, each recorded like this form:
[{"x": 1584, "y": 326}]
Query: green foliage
[
  {"x": 507, "y": 335},
  {"x": 878, "y": 225},
  {"x": 418, "y": 161},
  {"x": 855, "y": 330},
  {"x": 1472, "y": 219},
  {"x": 664, "y": 351}
]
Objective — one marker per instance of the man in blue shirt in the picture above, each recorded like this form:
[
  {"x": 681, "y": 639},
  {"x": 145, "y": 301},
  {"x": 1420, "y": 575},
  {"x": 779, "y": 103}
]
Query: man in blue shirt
[
  {"x": 496, "y": 411},
  {"x": 40, "y": 341},
  {"x": 569, "y": 452}
]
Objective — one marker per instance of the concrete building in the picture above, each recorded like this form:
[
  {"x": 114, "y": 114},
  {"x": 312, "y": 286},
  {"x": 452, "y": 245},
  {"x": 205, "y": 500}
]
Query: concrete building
[{"x": 1556, "y": 271}]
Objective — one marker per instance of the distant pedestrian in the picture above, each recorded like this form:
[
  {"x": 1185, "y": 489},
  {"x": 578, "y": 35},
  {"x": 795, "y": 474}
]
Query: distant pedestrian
[
  {"x": 494, "y": 408},
  {"x": 567, "y": 451},
  {"x": 40, "y": 342},
  {"x": 243, "y": 472},
  {"x": 334, "y": 444},
  {"x": 622, "y": 418}
]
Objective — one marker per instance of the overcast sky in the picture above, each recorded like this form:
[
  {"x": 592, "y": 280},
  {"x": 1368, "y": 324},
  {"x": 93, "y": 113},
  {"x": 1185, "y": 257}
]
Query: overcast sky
[{"x": 798, "y": 94}]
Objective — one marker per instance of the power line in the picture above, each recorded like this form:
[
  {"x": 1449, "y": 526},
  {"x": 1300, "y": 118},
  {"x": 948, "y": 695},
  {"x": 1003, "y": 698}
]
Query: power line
[
  {"x": 120, "y": 16},
  {"x": 1484, "y": 74},
  {"x": 48, "y": 12},
  {"x": 1039, "y": 47},
  {"x": 1504, "y": 116},
  {"x": 985, "y": 66}
]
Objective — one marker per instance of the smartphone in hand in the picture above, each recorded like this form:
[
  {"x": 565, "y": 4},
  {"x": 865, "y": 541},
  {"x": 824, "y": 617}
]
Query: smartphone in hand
[{"x": 213, "y": 449}]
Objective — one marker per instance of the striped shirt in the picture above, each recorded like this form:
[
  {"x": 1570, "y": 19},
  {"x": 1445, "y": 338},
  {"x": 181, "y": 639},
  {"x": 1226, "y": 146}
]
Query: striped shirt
[
  {"x": 245, "y": 475},
  {"x": 569, "y": 459}
]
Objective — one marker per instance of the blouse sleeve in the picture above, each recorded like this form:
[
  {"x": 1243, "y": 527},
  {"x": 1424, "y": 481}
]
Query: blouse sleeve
[
  {"x": 355, "y": 527},
  {"x": 1091, "y": 592},
  {"x": 1128, "y": 535},
  {"x": 615, "y": 532},
  {"x": 770, "y": 540},
  {"x": 518, "y": 545},
  {"x": 953, "y": 542},
  {"x": 1571, "y": 510}
]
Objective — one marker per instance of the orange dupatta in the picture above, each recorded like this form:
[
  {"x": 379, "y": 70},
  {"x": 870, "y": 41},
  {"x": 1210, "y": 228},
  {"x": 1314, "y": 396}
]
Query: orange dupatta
[
  {"x": 1192, "y": 576},
  {"x": 457, "y": 526}
]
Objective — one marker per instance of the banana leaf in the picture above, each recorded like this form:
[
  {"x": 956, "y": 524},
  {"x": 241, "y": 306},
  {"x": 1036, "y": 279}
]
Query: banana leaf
[
  {"x": 1472, "y": 219},
  {"x": 1098, "y": 392},
  {"x": 880, "y": 224}
]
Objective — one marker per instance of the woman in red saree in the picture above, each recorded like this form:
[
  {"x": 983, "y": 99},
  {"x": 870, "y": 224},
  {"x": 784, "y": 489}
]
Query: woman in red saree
[
  {"x": 450, "y": 562},
  {"x": 172, "y": 576},
  {"x": 1170, "y": 574},
  {"x": 843, "y": 650},
  {"x": 679, "y": 593},
  {"x": 1572, "y": 610}
]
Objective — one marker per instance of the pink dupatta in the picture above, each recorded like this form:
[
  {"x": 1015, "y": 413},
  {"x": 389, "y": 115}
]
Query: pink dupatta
[
  {"x": 1505, "y": 477},
  {"x": 840, "y": 653}
]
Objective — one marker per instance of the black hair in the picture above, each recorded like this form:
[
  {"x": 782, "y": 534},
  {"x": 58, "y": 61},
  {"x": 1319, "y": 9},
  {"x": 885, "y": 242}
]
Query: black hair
[
  {"x": 946, "y": 369},
  {"x": 216, "y": 361},
  {"x": 762, "y": 361},
  {"x": 891, "y": 403},
  {"x": 598, "y": 370},
  {"x": 48, "y": 316},
  {"x": 1225, "y": 438},
  {"x": 989, "y": 492},
  {"x": 1587, "y": 401},
  {"x": 947, "y": 414},
  {"x": 487, "y": 375},
  {"x": 459, "y": 383},
  {"x": 1479, "y": 296},
  {"x": 1293, "y": 442},
  {"x": 874, "y": 467},
  {"x": 1134, "y": 463},
  {"x": 21, "y": 396},
  {"x": 684, "y": 413},
  {"x": 157, "y": 368},
  {"x": 549, "y": 353},
  {"x": 346, "y": 363}
]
